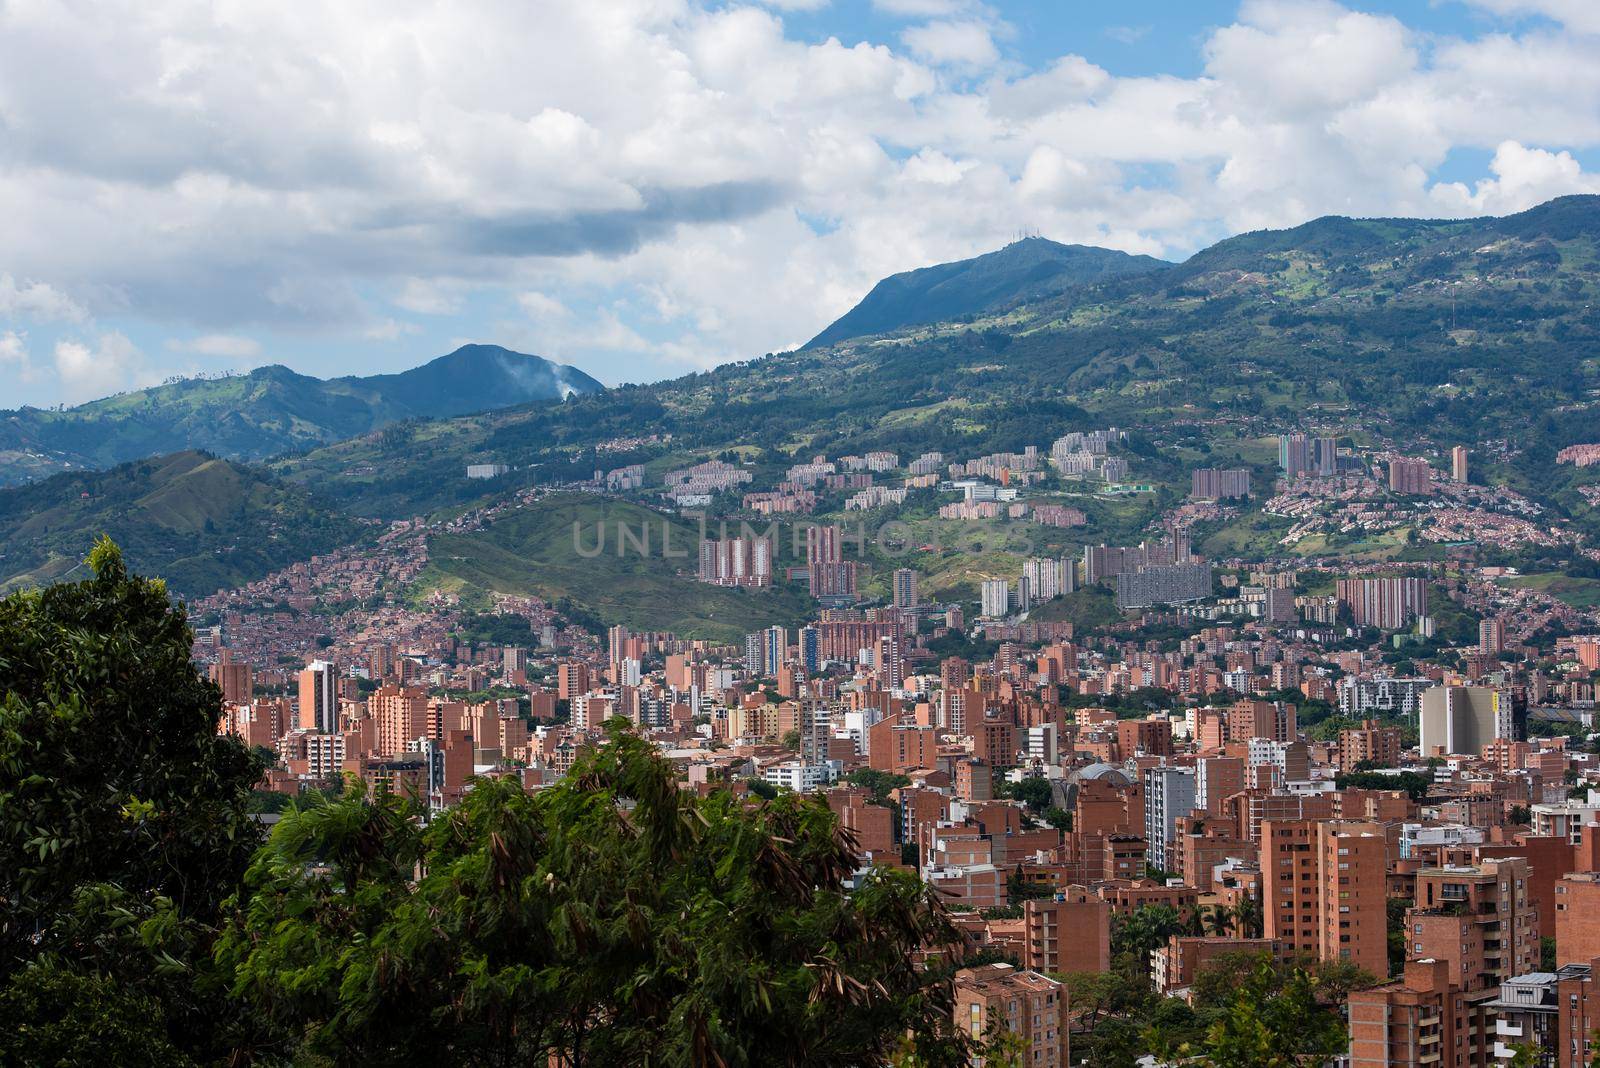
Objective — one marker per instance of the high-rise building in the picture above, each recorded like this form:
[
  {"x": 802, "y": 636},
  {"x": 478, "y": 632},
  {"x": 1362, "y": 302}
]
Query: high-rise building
[
  {"x": 1323, "y": 890},
  {"x": 1273, "y": 720},
  {"x": 401, "y": 716},
  {"x": 1420, "y": 1021},
  {"x": 1491, "y": 636},
  {"x": 889, "y": 662},
  {"x": 1408, "y": 476},
  {"x": 1218, "y": 484},
  {"x": 1048, "y": 577},
  {"x": 905, "y": 588},
  {"x": 1480, "y": 918},
  {"x": 1369, "y": 745},
  {"x": 774, "y": 649},
  {"x": 1385, "y": 603},
  {"x": 616, "y": 644},
  {"x": 1156, "y": 584},
  {"x": 996, "y": 595},
  {"x": 829, "y": 574},
  {"x": 997, "y": 998},
  {"x": 742, "y": 561},
  {"x": 1168, "y": 793},
  {"x": 572, "y": 679},
  {"x": 1325, "y": 456},
  {"x": 810, "y": 648},
  {"x": 1464, "y": 719},
  {"x": 1458, "y": 463},
  {"x": 319, "y": 698},
  {"x": 1071, "y": 933},
  {"x": 1294, "y": 455},
  {"x": 233, "y": 679}
]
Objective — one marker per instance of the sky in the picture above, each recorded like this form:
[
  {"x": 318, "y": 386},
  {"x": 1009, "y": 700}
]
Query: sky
[{"x": 645, "y": 188}]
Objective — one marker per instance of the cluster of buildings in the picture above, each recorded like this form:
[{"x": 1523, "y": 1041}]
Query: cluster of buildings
[{"x": 1233, "y": 747}]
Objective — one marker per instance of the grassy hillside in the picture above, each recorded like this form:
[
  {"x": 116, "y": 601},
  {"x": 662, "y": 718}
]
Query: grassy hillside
[
  {"x": 272, "y": 410},
  {"x": 201, "y": 523},
  {"x": 1090, "y": 607},
  {"x": 541, "y": 549},
  {"x": 1412, "y": 331},
  {"x": 1024, "y": 270}
]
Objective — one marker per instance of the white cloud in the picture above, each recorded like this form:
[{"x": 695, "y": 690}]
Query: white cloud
[
  {"x": 922, "y": 9},
  {"x": 430, "y": 296},
  {"x": 38, "y": 301},
  {"x": 541, "y": 306},
  {"x": 228, "y": 346},
  {"x": 1127, "y": 34},
  {"x": 388, "y": 330},
  {"x": 14, "y": 356},
  {"x": 109, "y": 364},
  {"x": 647, "y": 186},
  {"x": 1580, "y": 15},
  {"x": 946, "y": 43},
  {"x": 1522, "y": 178}
]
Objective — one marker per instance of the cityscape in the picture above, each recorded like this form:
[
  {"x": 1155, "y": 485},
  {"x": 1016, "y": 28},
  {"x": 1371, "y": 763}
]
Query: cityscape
[{"x": 1173, "y": 645}]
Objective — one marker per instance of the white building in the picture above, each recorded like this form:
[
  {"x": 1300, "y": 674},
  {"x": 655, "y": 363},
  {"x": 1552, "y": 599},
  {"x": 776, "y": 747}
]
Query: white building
[
  {"x": 1168, "y": 794},
  {"x": 801, "y": 778},
  {"x": 996, "y": 598}
]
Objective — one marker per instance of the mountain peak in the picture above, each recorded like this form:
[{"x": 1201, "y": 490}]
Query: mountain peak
[
  {"x": 1026, "y": 269},
  {"x": 275, "y": 409}
]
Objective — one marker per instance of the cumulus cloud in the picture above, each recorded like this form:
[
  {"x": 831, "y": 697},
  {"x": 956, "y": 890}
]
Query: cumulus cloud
[
  {"x": 964, "y": 44},
  {"x": 1522, "y": 178},
  {"x": 38, "y": 301},
  {"x": 107, "y": 364},
  {"x": 647, "y": 186},
  {"x": 1580, "y": 15},
  {"x": 14, "y": 357},
  {"x": 430, "y": 296}
]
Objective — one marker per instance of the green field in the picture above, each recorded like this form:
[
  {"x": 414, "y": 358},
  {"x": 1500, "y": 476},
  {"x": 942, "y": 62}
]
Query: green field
[
  {"x": 544, "y": 550},
  {"x": 1578, "y": 592},
  {"x": 1093, "y": 606}
]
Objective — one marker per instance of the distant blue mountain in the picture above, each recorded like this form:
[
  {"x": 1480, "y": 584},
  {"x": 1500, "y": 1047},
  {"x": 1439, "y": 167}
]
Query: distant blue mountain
[{"x": 273, "y": 410}]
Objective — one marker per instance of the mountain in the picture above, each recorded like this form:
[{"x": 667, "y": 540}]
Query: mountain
[
  {"x": 1472, "y": 330},
  {"x": 200, "y": 522},
  {"x": 273, "y": 410},
  {"x": 1022, "y": 271}
]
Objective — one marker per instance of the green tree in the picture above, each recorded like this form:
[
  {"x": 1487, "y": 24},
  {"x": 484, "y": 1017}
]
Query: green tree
[
  {"x": 124, "y": 818},
  {"x": 878, "y": 783},
  {"x": 1143, "y": 930},
  {"x": 1034, "y": 791},
  {"x": 611, "y": 919},
  {"x": 1273, "y": 1022},
  {"x": 1248, "y": 913},
  {"x": 1058, "y": 817}
]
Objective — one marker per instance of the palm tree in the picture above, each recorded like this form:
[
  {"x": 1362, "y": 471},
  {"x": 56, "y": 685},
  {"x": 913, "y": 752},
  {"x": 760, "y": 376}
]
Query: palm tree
[
  {"x": 1248, "y": 913},
  {"x": 1217, "y": 920}
]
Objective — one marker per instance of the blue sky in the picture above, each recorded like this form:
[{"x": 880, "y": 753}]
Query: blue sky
[{"x": 648, "y": 187}]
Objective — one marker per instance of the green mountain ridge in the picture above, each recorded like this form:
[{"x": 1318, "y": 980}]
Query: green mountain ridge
[
  {"x": 1028, "y": 269},
  {"x": 273, "y": 410},
  {"x": 1426, "y": 331},
  {"x": 200, "y": 522},
  {"x": 1421, "y": 333}
]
